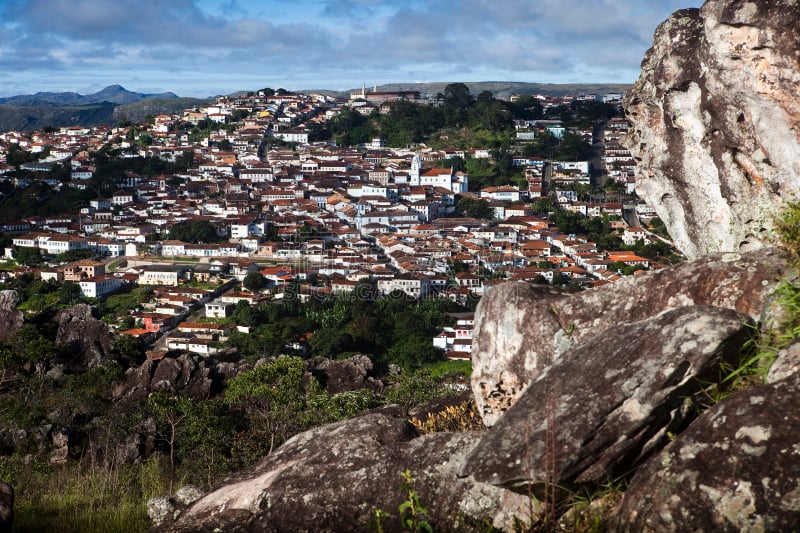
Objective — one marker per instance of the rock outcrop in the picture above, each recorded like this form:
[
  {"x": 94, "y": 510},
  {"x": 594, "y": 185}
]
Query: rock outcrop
[
  {"x": 190, "y": 374},
  {"x": 349, "y": 374},
  {"x": 716, "y": 122},
  {"x": 85, "y": 339},
  {"x": 335, "y": 477},
  {"x": 610, "y": 401},
  {"x": 733, "y": 469},
  {"x": 11, "y": 318},
  {"x": 520, "y": 329}
]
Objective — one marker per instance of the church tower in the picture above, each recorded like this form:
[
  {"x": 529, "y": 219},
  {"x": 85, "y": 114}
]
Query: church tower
[{"x": 416, "y": 165}]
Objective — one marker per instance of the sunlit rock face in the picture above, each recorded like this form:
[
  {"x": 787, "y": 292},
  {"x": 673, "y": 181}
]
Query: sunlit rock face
[{"x": 716, "y": 122}]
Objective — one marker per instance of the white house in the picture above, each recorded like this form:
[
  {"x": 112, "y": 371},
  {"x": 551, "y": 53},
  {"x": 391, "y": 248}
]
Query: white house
[
  {"x": 99, "y": 286},
  {"x": 413, "y": 285}
]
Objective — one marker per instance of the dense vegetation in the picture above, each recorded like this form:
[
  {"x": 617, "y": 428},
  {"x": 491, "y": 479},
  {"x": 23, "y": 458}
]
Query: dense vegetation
[
  {"x": 45, "y": 390},
  {"x": 396, "y": 329}
]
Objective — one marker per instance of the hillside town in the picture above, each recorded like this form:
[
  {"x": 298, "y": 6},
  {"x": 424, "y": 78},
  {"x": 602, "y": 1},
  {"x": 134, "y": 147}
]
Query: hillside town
[{"x": 307, "y": 217}]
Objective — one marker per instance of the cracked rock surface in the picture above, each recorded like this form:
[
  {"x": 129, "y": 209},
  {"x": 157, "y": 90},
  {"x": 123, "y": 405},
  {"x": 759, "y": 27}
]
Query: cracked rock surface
[
  {"x": 734, "y": 469},
  {"x": 716, "y": 122}
]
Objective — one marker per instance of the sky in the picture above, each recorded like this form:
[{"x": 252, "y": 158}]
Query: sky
[{"x": 204, "y": 47}]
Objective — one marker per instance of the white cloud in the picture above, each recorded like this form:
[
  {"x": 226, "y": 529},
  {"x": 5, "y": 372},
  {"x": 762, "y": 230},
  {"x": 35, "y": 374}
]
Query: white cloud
[{"x": 333, "y": 41}]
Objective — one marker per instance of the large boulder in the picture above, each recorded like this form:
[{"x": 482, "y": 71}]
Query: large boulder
[
  {"x": 716, "y": 122},
  {"x": 85, "y": 339},
  {"x": 521, "y": 329},
  {"x": 609, "y": 402},
  {"x": 734, "y": 469},
  {"x": 341, "y": 375},
  {"x": 335, "y": 477},
  {"x": 11, "y": 318}
]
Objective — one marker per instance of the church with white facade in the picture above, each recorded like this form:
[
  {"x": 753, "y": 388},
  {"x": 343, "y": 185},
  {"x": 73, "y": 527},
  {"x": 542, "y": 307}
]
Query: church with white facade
[{"x": 457, "y": 182}]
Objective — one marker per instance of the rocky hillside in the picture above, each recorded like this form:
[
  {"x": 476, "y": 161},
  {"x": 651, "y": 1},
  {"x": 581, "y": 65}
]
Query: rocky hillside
[
  {"x": 617, "y": 408},
  {"x": 717, "y": 122},
  {"x": 580, "y": 390}
]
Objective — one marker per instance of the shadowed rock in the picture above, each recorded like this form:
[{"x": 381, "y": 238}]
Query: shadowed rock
[
  {"x": 349, "y": 374},
  {"x": 11, "y": 318},
  {"x": 187, "y": 373},
  {"x": 609, "y": 402},
  {"x": 88, "y": 339},
  {"x": 733, "y": 469},
  {"x": 520, "y": 329},
  {"x": 6, "y": 506}
]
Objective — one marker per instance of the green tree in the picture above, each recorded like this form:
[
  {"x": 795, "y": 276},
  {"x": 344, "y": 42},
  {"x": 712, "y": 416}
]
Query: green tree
[
  {"x": 254, "y": 282},
  {"x": 33, "y": 347},
  {"x": 74, "y": 255},
  {"x": 330, "y": 342},
  {"x": 475, "y": 208},
  {"x": 69, "y": 293},
  {"x": 171, "y": 411},
  {"x": 28, "y": 256},
  {"x": 129, "y": 351},
  {"x": 275, "y": 397},
  {"x": 199, "y": 231},
  {"x": 457, "y": 103},
  {"x": 413, "y": 351}
]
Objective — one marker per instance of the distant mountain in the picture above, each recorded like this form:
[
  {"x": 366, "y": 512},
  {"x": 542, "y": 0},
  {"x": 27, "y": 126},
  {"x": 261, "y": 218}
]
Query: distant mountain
[
  {"x": 28, "y": 118},
  {"x": 115, "y": 94},
  {"x": 500, "y": 89},
  {"x": 108, "y": 106}
]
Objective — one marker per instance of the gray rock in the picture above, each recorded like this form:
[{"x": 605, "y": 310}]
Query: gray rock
[
  {"x": 187, "y": 494},
  {"x": 607, "y": 403},
  {"x": 89, "y": 340},
  {"x": 716, "y": 120},
  {"x": 11, "y": 437},
  {"x": 60, "y": 451},
  {"x": 161, "y": 509},
  {"x": 518, "y": 326},
  {"x": 55, "y": 373},
  {"x": 787, "y": 363},
  {"x": 186, "y": 373},
  {"x": 11, "y": 318},
  {"x": 735, "y": 468},
  {"x": 343, "y": 375},
  {"x": 335, "y": 477},
  {"x": 6, "y": 506}
]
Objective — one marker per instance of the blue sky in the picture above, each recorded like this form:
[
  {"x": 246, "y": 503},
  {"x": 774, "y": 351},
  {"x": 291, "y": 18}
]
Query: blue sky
[{"x": 205, "y": 47}]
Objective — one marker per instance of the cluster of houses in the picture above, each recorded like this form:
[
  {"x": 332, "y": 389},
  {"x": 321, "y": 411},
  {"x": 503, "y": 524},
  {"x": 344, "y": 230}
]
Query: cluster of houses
[{"x": 312, "y": 210}]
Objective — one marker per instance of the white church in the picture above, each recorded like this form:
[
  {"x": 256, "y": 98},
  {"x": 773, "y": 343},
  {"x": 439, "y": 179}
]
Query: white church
[{"x": 457, "y": 182}]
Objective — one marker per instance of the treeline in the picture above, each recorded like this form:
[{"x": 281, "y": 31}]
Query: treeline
[
  {"x": 408, "y": 122},
  {"x": 396, "y": 329}
]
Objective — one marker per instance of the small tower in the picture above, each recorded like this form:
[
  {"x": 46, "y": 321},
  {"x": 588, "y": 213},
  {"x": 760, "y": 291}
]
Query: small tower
[{"x": 413, "y": 177}]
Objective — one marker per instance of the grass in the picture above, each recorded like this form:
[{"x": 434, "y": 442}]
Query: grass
[
  {"x": 74, "y": 498},
  {"x": 444, "y": 368},
  {"x": 764, "y": 346}
]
